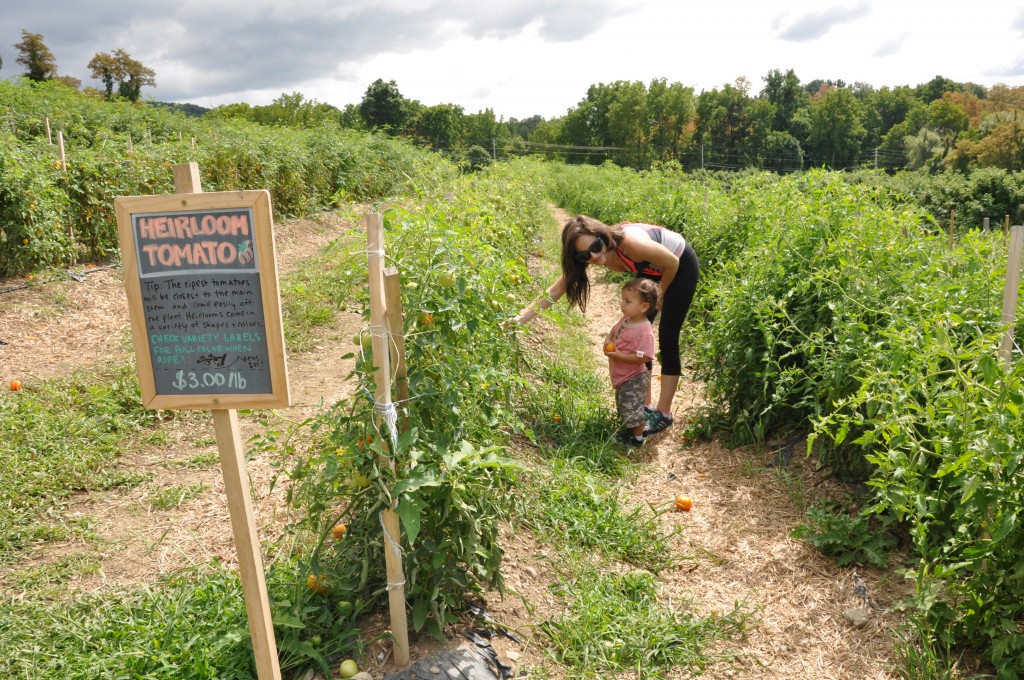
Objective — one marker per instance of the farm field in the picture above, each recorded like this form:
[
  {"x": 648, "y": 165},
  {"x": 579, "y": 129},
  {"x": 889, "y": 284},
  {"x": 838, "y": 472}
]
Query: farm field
[{"x": 732, "y": 550}]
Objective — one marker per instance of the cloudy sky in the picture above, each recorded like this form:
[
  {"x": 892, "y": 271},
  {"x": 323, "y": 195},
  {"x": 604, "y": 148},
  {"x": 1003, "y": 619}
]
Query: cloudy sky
[{"x": 517, "y": 57}]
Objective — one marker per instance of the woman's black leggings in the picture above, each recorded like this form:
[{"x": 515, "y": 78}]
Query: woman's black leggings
[{"x": 674, "y": 307}]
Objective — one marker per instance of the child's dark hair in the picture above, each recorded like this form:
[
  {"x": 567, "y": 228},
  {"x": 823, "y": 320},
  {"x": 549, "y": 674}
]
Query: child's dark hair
[{"x": 646, "y": 289}]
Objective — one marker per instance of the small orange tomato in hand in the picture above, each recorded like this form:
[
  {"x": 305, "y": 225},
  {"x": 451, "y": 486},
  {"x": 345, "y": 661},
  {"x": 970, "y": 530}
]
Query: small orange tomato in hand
[
  {"x": 683, "y": 503},
  {"x": 609, "y": 347},
  {"x": 339, "y": 531},
  {"x": 15, "y": 385}
]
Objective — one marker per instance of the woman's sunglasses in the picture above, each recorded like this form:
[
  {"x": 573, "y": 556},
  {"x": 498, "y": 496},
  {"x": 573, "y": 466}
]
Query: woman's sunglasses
[{"x": 596, "y": 247}]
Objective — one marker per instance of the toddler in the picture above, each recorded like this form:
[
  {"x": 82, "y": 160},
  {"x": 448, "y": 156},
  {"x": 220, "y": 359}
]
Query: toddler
[{"x": 629, "y": 346}]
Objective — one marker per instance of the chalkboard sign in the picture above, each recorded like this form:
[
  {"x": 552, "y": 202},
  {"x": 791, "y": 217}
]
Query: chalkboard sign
[{"x": 201, "y": 279}]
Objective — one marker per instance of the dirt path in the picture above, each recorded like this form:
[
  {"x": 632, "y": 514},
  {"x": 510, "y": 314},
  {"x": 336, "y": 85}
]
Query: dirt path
[
  {"x": 52, "y": 329},
  {"x": 738, "y": 549}
]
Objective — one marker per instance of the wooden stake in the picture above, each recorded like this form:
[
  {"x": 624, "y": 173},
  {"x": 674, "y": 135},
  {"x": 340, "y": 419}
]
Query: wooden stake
[
  {"x": 130, "y": 148},
  {"x": 236, "y": 488},
  {"x": 60, "y": 147},
  {"x": 1009, "y": 317},
  {"x": 382, "y": 396},
  {"x": 952, "y": 219},
  {"x": 1006, "y": 226},
  {"x": 49, "y": 137}
]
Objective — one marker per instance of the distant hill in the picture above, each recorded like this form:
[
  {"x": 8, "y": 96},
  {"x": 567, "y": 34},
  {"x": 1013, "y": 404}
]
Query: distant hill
[{"x": 192, "y": 110}]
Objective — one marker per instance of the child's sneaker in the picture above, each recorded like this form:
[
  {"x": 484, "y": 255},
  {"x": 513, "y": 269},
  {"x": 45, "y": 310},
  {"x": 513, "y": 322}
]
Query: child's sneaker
[
  {"x": 630, "y": 440},
  {"x": 657, "y": 422}
]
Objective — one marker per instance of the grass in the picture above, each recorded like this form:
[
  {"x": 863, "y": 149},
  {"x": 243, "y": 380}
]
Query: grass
[
  {"x": 58, "y": 437},
  {"x": 169, "y": 497},
  {"x": 193, "y": 625},
  {"x": 570, "y": 506},
  {"x": 618, "y": 622},
  {"x": 315, "y": 291},
  {"x": 200, "y": 461},
  {"x": 48, "y": 581}
]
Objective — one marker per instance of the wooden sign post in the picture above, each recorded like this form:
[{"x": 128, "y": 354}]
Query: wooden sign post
[
  {"x": 382, "y": 399},
  {"x": 201, "y": 279}
]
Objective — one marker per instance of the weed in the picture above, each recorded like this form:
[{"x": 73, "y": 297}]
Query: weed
[
  {"x": 851, "y": 539},
  {"x": 617, "y": 623},
  {"x": 63, "y": 436},
  {"x": 169, "y": 497}
]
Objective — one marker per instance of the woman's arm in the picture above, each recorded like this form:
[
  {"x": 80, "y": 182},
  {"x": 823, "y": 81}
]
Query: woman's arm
[{"x": 554, "y": 293}]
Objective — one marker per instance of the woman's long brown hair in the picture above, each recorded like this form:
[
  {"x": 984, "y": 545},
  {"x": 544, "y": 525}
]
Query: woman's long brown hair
[{"x": 577, "y": 284}]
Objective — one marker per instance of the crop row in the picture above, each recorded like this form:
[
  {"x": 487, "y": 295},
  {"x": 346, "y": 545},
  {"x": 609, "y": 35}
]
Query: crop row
[
  {"x": 56, "y": 211},
  {"x": 831, "y": 310}
]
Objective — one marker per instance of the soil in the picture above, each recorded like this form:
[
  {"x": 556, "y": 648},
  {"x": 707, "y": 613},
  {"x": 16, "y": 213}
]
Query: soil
[{"x": 734, "y": 545}]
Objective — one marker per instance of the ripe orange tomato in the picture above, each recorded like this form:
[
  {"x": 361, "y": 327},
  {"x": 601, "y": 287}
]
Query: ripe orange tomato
[
  {"x": 317, "y": 584},
  {"x": 426, "y": 319},
  {"x": 557, "y": 418},
  {"x": 609, "y": 347},
  {"x": 683, "y": 503},
  {"x": 15, "y": 385},
  {"x": 339, "y": 531}
]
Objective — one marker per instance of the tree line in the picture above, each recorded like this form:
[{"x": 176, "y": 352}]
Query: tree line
[
  {"x": 787, "y": 126},
  {"x": 941, "y": 125},
  {"x": 113, "y": 69}
]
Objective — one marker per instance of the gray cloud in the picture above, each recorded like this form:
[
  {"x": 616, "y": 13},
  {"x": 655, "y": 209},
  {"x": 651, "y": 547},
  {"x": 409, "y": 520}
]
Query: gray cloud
[
  {"x": 1018, "y": 24},
  {"x": 1014, "y": 70},
  {"x": 815, "y": 25},
  {"x": 891, "y": 47},
  {"x": 214, "y": 47}
]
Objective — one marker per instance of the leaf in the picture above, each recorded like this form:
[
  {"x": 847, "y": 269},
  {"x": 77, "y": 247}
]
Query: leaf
[
  {"x": 409, "y": 510},
  {"x": 287, "y": 620},
  {"x": 419, "y": 613},
  {"x": 972, "y": 485}
]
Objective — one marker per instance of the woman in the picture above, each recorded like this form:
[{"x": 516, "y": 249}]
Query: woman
[{"x": 645, "y": 250}]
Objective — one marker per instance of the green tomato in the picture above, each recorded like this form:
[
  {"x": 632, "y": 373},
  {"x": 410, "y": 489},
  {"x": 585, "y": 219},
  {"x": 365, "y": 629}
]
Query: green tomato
[
  {"x": 315, "y": 640},
  {"x": 446, "y": 279},
  {"x": 363, "y": 339},
  {"x": 358, "y": 481},
  {"x": 348, "y": 668}
]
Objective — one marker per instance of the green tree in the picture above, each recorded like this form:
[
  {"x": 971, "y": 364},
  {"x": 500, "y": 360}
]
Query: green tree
[
  {"x": 523, "y": 128},
  {"x": 442, "y": 127},
  {"x": 947, "y": 116},
  {"x": 934, "y": 89},
  {"x": 135, "y": 76},
  {"x": 671, "y": 109},
  {"x": 784, "y": 91},
  {"x": 722, "y": 125},
  {"x": 836, "y": 129},
  {"x": 294, "y": 110},
  {"x": 120, "y": 69},
  {"x": 628, "y": 123},
  {"x": 350, "y": 118},
  {"x": 384, "y": 108},
  {"x": 34, "y": 55},
  {"x": 485, "y": 130},
  {"x": 104, "y": 67},
  {"x": 923, "y": 149}
]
